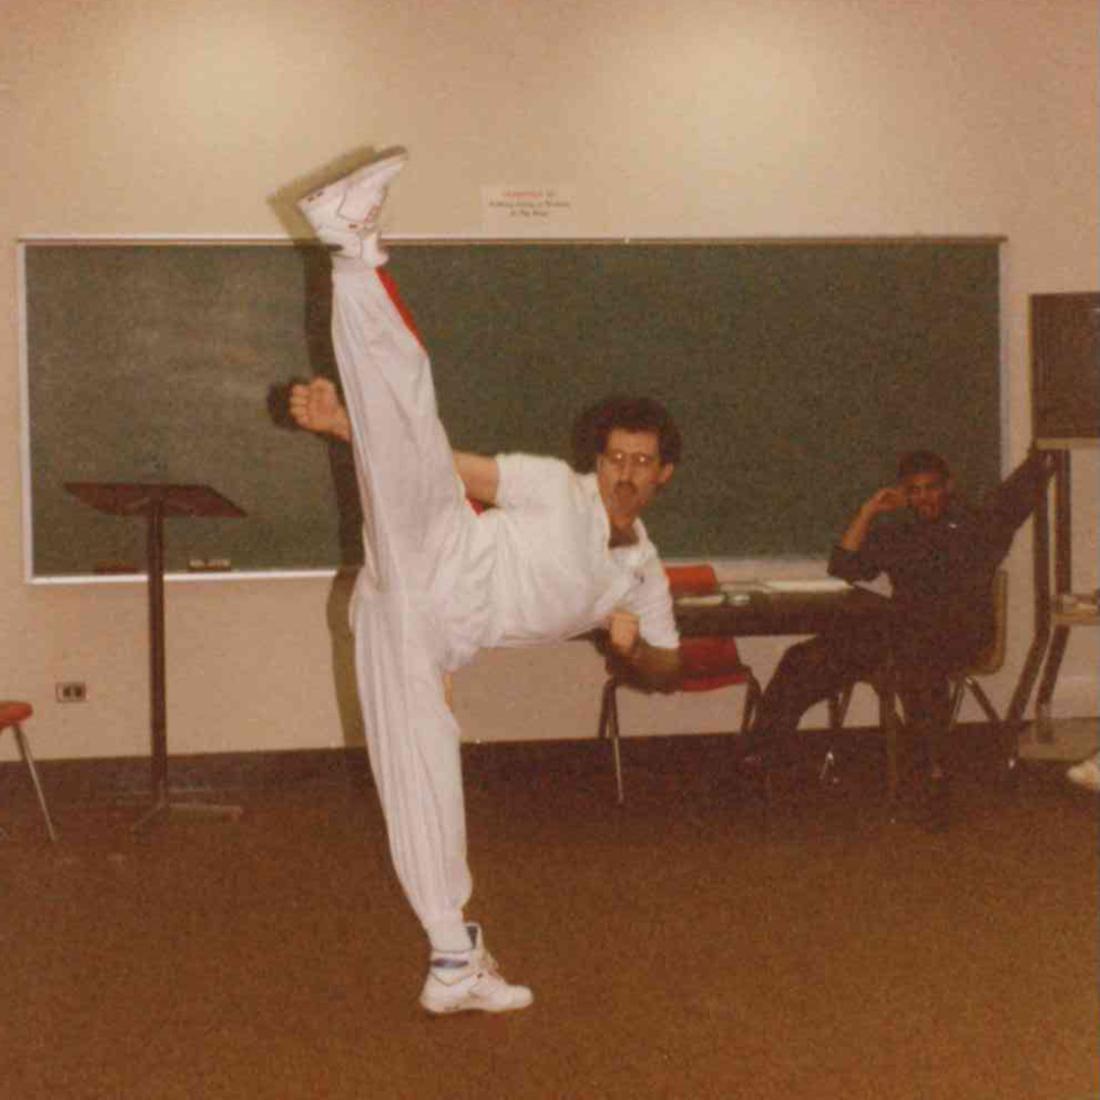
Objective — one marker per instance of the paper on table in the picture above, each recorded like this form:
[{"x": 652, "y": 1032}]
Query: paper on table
[
  {"x": 809, "y": 584},
  {"x": 713, "y": 599}
]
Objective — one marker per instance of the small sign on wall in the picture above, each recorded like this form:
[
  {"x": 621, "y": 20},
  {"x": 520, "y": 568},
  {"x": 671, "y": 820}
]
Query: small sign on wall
[{"x": 527, "y": 211}]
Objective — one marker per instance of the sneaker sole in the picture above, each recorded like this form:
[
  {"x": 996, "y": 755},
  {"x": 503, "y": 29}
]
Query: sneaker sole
[{"x": 437, "y": 1009}]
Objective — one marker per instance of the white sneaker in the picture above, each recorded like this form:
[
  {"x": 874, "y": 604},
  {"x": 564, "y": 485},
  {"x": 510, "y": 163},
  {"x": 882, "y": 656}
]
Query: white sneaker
[
  {"x": 468, "y": 981},
  {"x": 1086, "y": 774},
  {"x": 345, "y": 213}
]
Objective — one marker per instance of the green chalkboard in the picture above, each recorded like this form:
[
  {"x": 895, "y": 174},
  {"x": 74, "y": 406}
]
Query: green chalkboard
[{"x": 797, "y": 370}]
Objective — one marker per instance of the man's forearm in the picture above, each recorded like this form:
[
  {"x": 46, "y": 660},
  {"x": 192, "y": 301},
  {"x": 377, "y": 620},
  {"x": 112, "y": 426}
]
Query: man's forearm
[
  {"x": 856, "y": 531},
  {"x": 855, "y": 534},
  {"x": 651, "y": 667}
]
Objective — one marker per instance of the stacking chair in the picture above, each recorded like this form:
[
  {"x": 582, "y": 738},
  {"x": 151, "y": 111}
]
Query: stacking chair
[
  {"x": 708, "y": 663},
  {"x": 12, "y": 716},
  {"x": 964, "y": 680}
]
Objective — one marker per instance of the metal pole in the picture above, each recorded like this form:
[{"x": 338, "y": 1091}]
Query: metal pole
[{"x": 156, "y": 651}]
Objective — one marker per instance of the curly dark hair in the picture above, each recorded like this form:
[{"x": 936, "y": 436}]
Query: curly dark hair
[
  {"x": 631, "y": 414},
  {"x": 923, "y": 462}
]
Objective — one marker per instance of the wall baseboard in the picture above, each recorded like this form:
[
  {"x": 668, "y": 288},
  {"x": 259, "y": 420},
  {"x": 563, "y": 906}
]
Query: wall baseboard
[
  {"x": 99, "y": 779},
  {"x": 104, "y": 778}
]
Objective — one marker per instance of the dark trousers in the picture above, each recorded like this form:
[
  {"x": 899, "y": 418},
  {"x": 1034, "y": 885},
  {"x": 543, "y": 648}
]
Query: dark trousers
[{"x": 818, "y": 669}]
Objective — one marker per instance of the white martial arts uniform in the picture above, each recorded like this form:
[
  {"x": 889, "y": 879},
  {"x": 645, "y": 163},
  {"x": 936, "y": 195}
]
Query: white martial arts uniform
[{"x": 440, "y": 582}]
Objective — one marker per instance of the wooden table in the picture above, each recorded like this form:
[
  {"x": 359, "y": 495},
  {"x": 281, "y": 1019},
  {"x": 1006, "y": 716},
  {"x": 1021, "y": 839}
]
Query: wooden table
[{"x": 770, "y": 611}]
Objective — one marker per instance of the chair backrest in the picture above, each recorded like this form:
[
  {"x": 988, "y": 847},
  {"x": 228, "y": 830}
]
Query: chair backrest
[
  {"x": 691, "y": 580},
  {"x": 712, "y": 661},
  {"x": 993, "y": 656}
]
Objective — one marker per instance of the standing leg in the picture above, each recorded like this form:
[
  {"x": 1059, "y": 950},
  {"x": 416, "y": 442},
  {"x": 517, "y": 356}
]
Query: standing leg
[{"x": 413, "y": 745}]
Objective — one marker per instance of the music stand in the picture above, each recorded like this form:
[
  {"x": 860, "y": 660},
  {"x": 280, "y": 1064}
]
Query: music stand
[{"x": 157, "y": 502}]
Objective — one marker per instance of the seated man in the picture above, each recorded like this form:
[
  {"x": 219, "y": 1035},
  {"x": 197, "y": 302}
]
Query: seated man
[
  {"x": 559, "y": 555},
  {"x": 940, "y": 557}
]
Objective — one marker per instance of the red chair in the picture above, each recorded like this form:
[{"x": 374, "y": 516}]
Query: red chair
[
  {"x": 708, "y": 663},
  {"x": 12, "y": 715}
]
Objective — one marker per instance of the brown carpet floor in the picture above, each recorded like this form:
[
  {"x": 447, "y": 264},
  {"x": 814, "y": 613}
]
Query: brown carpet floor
[{"x": 689, "y": 944}]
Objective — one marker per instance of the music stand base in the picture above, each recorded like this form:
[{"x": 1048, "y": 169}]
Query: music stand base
[{"x": 169, "y": 807}]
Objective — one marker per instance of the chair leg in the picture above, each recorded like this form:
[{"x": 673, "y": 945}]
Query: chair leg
[
  {"x": 613, "y": 713},
  {"x": 958, "y": 692},
  {"x": 837, "y": 704},
  {"x": 983, "y": 700},
  {"x": 891, "y": 726},
  {"x": 28, "y": 759},
  {"x": 1009, "y": 743},
  {"x": 601, "y": 729},
  {"x": 752, "y": 703},
  {"x": 609, "y": 728}
]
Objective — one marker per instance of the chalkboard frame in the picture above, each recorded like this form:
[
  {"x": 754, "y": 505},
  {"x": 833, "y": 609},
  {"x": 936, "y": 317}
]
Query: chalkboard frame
[{"x": 338, "y": 466}]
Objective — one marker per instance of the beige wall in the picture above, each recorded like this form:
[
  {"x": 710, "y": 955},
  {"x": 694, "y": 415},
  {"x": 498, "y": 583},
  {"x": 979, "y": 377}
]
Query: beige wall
[{"x": 705, "y": 117}]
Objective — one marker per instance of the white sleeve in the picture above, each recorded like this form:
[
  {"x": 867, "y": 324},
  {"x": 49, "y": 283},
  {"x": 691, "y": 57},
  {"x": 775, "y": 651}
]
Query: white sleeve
[
  {"x": 528, "y": 481},
  {"x": 651, "y": 601}
]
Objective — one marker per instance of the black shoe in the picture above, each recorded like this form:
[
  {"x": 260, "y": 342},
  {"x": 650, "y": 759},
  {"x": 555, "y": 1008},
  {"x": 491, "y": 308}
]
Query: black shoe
[
  {"x": 751, "y": 766},
  {"x": 750, "y": 754}
]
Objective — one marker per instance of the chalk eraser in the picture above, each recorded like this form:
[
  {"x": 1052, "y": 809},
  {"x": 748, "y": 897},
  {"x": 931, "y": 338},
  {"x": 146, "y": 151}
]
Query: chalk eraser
[{"x": 209, "y": 565}]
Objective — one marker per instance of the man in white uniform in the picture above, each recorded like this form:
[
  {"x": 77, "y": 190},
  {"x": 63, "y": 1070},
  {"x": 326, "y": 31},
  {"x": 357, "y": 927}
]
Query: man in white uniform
[{"x": 558, "y": 554}]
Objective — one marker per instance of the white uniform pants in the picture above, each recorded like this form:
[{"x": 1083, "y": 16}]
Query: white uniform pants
[{"x": 417, "y": 618}]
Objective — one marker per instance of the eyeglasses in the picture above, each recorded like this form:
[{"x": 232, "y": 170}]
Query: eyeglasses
[{"x": 637, "y": 460}]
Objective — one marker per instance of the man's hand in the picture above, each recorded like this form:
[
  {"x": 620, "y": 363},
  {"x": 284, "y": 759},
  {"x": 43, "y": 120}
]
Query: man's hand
[
  {"x": 316, "y": 407},
  {"x": 652, "y": 668},
  {"x": 480, "y": 476},
  {"x": 889, "y": 499},
  {"x": 623, "y": 633}
]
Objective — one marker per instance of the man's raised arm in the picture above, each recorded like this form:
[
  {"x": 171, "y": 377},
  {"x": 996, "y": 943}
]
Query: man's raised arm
[{"x": 316, "y": 407}]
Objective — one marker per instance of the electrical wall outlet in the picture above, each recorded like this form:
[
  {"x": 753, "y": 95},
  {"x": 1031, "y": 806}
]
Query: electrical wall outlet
[{"x": 71, "y": 691}]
